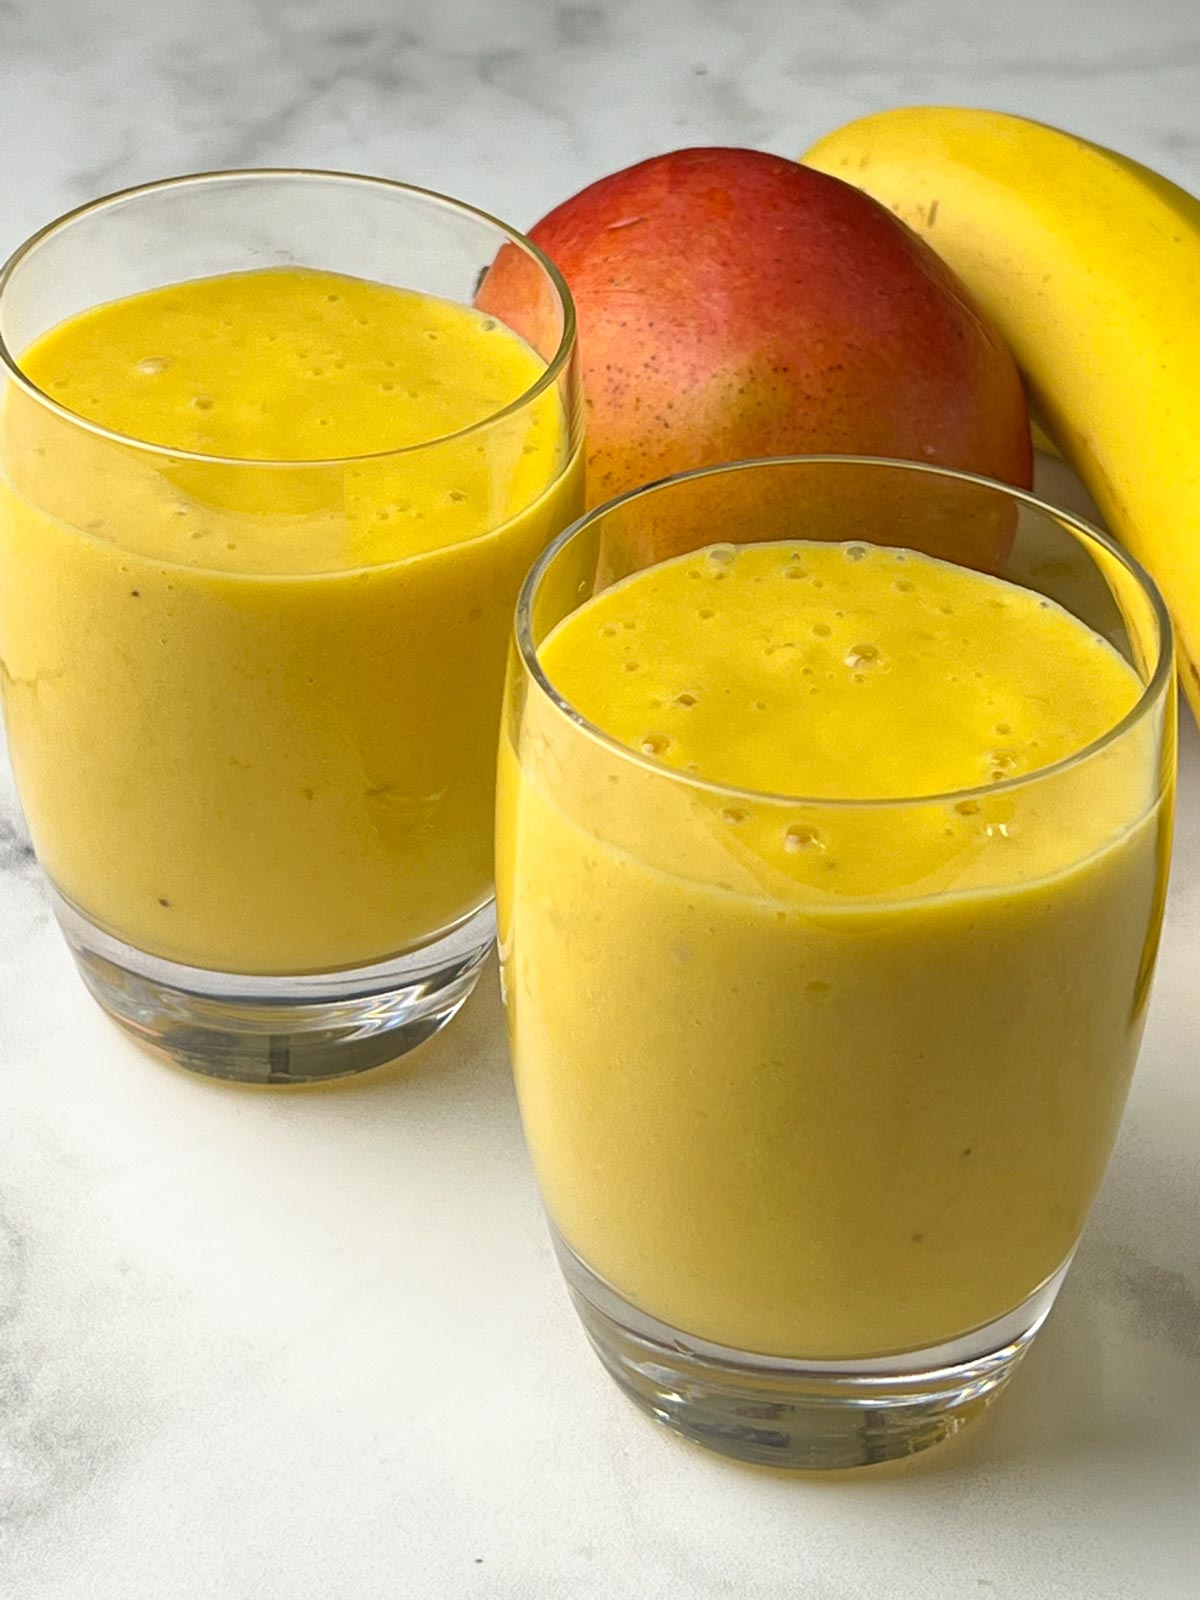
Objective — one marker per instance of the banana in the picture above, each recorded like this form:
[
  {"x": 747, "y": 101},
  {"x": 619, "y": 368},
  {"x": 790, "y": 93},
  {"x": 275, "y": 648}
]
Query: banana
[{"x": 1089, "y": 265}]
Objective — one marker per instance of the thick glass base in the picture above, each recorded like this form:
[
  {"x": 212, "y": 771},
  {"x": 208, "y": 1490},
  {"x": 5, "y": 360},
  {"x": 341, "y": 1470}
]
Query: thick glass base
[
  {"x": 821, "y": 1415},
  {"x": 280, "y": 1030}
]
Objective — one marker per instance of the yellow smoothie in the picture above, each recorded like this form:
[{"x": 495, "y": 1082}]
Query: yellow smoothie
[
  {"x": 807, "y": 1077},
  {"x": 252, "y": 679}
]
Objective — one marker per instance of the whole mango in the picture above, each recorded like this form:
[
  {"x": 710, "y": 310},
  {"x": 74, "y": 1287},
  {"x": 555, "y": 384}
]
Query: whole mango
[{"x": 735, "y": 304}]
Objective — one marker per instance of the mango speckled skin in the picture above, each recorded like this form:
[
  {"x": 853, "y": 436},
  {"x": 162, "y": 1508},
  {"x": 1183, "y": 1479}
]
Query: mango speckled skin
[{"x": 735, "y": 304}]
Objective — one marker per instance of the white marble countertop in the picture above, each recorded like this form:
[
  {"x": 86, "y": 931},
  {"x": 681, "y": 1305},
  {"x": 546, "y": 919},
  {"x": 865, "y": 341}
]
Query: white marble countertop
[{"x": 314, "y": 1347}]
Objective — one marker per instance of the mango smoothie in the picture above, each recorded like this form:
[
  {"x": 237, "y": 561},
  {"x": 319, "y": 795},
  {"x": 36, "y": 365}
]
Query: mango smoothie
[
  {"x": 251, "y": 678},
  {"x": 831, "y": 1077}
]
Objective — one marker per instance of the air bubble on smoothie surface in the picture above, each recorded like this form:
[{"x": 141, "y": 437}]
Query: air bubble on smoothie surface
[
  {"x": 822, "y": 630},
  {"x": 202, "y": 402},
  {"x": 655, "y": 744},
  {"x": 854, "y": 552},
  {"x": 687, "y": 699},
  {"x": 734, "y": 815},
  {"x": 721, "y": 556},
  {"x": 799, "y": 836},
  {"x": 151, "y": 366},
  {"x": 862, "y": 655}
]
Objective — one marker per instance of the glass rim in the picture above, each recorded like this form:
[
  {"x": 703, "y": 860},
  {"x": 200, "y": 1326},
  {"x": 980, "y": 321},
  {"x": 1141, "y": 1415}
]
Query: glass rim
[
  {"x": 1152, "y": 689},
  {"x": 10, "y": 362}
]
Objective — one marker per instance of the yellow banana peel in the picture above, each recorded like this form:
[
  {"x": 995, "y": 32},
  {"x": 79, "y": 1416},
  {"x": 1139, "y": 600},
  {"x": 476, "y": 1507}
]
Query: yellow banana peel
[{"x": 1089, "y": 265}]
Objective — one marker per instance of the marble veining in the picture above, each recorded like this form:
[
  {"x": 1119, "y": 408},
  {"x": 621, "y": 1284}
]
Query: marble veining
[
  {"x": 314, "y": 1347},
  {"x": 16, "y": 852}
]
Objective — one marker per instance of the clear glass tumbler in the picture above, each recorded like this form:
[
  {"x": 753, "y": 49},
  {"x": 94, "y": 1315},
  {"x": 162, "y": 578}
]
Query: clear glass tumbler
[
  {"x": 817, "y": 1149},
  {"x": 252, "y": 705}
]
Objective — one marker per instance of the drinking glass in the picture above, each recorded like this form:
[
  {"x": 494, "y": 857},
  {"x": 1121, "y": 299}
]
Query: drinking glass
[
  {"x": 816, "y": 1148},
  {"x": 251, "y": 714}
]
